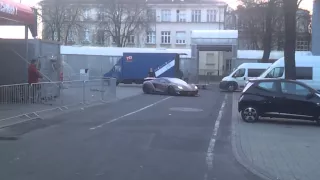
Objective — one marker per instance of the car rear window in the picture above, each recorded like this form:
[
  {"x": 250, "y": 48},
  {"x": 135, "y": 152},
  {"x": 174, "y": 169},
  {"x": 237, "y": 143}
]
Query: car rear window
[{"x": 249, "y": 84}]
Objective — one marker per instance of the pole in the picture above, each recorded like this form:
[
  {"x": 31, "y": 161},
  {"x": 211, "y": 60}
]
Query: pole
[{"x": 26, "y": 32}]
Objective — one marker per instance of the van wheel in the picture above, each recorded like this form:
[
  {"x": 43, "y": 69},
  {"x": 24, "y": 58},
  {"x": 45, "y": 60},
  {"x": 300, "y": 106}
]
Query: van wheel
[
  {"x": 232, "y": 86},
  {"x": 250, "y": 114}
]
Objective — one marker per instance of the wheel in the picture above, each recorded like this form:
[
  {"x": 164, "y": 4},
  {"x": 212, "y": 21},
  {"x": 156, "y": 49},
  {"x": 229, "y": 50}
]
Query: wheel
[
  {"x": 145, "y": 89},
  {"x": 250, "y": 114},
  {"x": 171, "y": 90},
  {"x": 232, "y": 86}
]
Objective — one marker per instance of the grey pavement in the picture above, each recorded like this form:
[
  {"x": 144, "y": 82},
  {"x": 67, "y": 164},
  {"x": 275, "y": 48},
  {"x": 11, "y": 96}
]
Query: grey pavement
[
  {"x": 71, "y": 97},
  {"x": 277, "y": 149},
  {"x": 145, "y": 137}
]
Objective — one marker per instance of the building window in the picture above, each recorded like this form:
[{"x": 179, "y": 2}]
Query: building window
[
  {"x": 68, "y": 14},
  {"x": 181, "y": 16},
  {"x": 151, "y": 14},
  {"x": 100, "y": 37},
  {"x": 165, "y": 15},
  {"x": 196, "y": 16},
  {"x": 130, "y": 39},
  {"x": 211, "y": 15},
  {"x": 210, "y": 59},
  {"x": 151, "y": 37},
  {"x": 302, "y": 44},
  {"x": 180, "y": 37},
  {"x": 100, "y": 16},
  {"x": 86, "y": 34},
  {"x": 165, "y": 37},
  {"x": 86, "y": 13}
]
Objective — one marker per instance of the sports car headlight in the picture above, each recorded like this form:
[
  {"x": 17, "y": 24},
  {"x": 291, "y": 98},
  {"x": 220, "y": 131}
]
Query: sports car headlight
[
  {"x": 196, "y": 87},
  {"x": 179, "y": 87}
]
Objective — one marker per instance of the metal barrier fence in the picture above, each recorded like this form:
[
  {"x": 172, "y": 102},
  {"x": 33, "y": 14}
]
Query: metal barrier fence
[
  {"x": 59, "y": 93},
  {"x": 97, "y": 65}
]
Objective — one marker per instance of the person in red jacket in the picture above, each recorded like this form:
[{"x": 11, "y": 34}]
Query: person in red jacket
[
  {"x": 33, "y": 78},
  {"x": 33, "y": 73}
]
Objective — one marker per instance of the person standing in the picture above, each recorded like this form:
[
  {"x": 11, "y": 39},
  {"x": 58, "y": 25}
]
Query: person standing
[
  {"x": 33, "y": 78},
  {"x": 151, "y": 73}
]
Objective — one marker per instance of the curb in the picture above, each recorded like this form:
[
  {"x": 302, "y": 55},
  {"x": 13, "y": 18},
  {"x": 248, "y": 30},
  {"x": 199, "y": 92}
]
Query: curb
[{"x": 237, "y": 150}]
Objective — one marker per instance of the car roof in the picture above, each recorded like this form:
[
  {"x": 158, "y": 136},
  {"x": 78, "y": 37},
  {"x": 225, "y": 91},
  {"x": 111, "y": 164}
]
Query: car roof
[{"x": 278, "y": 80}]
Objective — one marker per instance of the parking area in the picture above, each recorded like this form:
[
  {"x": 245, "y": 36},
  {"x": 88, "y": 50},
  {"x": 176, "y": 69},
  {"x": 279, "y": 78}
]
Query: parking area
[{"x": 276, "y": 149}]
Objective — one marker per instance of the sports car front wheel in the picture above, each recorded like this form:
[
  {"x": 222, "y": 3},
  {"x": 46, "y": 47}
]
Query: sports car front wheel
[
  {"x": 146, "y": 90},
  {"x": 171, "y": 91}
]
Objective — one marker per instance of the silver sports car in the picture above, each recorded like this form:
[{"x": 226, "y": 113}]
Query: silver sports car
[{"x": 171, "y": 86}]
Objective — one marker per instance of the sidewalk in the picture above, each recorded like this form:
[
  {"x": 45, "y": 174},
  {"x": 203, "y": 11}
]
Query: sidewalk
[
  {"x": 70, "y": 98},
  {"x": 275, "y": 149}
]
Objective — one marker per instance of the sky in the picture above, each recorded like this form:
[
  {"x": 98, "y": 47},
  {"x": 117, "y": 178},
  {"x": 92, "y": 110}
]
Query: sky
[{"x": 18, "y": 32}]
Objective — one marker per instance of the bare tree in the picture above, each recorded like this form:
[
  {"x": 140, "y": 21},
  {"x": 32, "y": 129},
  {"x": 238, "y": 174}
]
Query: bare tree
[
  {"x": 290, "y": 8},
  {"x": 251, "y": 25},
  {"x": 58, "y": 19},
  {"x": 123, "y": 19},
  {"x": 267, "y": 40}
]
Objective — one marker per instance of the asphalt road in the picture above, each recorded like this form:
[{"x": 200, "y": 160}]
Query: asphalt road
[{"x": 146, "y": 137}]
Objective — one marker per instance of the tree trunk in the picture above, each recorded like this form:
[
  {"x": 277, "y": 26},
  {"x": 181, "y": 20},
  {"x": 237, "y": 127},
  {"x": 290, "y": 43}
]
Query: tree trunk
[
  {"x": 268, "y": 33},
  {"x": 290, "y": 8}
]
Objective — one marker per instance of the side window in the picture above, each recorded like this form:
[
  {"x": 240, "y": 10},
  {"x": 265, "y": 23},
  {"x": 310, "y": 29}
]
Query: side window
[
  {"x": 294, "y": 89},
  {"x": 276, "y": 72},
  {"x": 268, "y": 86},
  {"x": 239, "y": 73},
  {"x": 304, "y": 73},
  {"x": 255, "y": 72}
]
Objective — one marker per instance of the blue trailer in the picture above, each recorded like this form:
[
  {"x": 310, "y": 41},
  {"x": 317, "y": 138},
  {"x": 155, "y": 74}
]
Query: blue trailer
[{"x": 134, "y": 67}]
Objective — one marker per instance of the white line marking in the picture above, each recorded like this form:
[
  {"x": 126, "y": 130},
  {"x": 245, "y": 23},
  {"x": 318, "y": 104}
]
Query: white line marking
[
  {"x": 210, "y": 154},
  {"x": 131, "y": 113}
]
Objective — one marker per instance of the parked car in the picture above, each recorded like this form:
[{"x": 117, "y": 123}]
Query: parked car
[
  {"x": 171, "y": 86},
  {"x": 239, "y": 76},
  {"x": 307, "y": 70},
  {"x": 279, "y": 98}
]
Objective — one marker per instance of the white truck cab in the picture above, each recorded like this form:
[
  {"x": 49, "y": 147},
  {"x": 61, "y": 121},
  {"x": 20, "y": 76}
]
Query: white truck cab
[
  {"x": 307, "y": 70},
  {"x": 241, "y": 74}
]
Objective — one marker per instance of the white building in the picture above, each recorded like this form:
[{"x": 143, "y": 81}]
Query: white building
[
  {"x": 173, "y": 22},
  {"x": 175, "y": 19}
]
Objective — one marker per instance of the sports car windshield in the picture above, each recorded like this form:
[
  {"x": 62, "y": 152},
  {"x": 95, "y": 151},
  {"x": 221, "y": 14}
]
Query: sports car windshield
[{"x": 177, "y": 81}]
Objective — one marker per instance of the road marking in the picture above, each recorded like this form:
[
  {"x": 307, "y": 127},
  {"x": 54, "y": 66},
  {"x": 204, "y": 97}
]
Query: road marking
[
  {"x": 131, "y": 113},
  {"x": 210, "y": 154}
]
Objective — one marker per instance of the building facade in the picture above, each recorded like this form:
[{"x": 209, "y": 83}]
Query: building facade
[{"x": 170, "y": 25}]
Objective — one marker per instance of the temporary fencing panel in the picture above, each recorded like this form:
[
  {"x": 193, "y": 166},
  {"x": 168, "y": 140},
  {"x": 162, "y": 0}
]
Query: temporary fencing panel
[{"x": 96, "y": 65}]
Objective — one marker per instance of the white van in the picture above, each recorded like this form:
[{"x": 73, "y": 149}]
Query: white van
[
  {"x": 239, "y": 76},
  {"x": 307, "y": 70}
]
